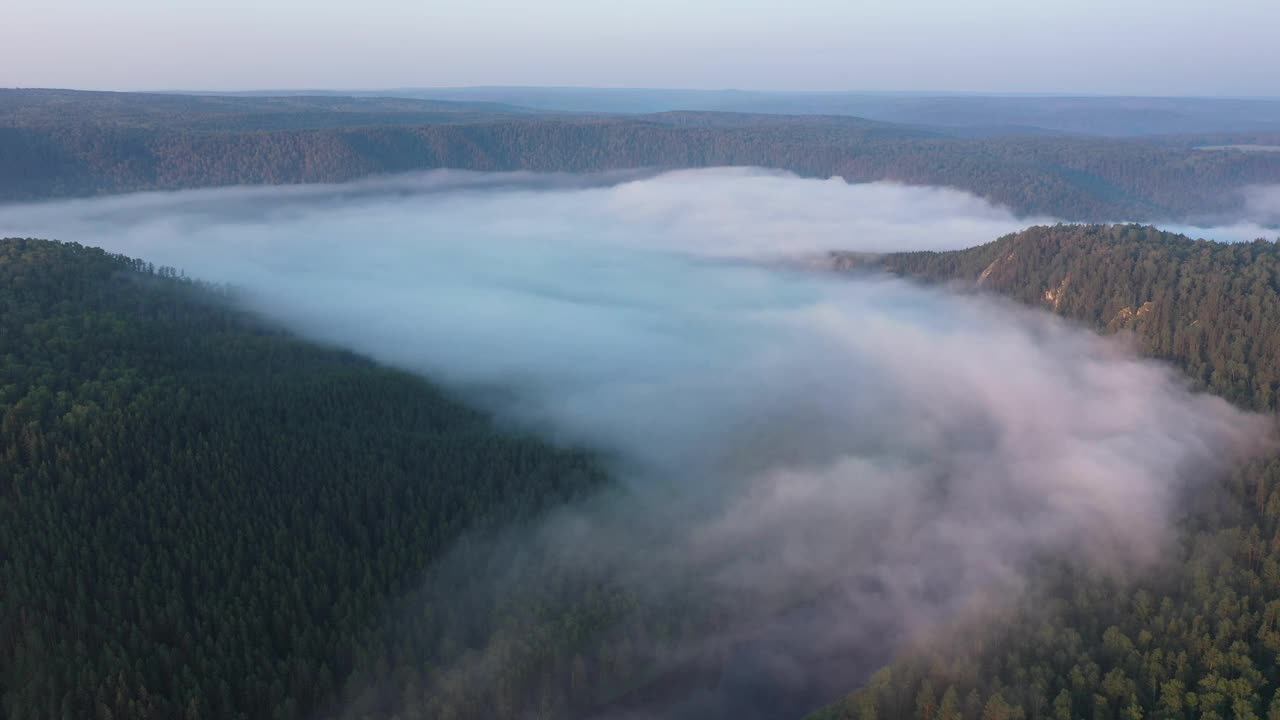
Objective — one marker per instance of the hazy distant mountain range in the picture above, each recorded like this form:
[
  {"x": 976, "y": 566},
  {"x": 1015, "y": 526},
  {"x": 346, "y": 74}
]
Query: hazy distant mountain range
[
  {"x": 1086, "y": 115},
  {"x": 60, "y": 143}
]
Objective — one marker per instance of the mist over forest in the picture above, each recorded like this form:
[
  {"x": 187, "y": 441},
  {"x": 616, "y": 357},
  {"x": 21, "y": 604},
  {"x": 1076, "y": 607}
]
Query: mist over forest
[
  {"x": 609, "y": 403},
  {"x": 812, "y": 470}
]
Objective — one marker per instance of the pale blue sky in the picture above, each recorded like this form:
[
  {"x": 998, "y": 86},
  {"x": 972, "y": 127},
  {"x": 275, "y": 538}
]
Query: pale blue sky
[{"x": 1087, "y": 46}]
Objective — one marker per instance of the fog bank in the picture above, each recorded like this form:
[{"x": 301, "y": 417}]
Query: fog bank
[
  {"x": 1262, "y": 204},
  {"x": 825, "y": 464}
]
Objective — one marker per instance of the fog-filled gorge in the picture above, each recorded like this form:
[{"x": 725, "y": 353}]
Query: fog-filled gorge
[{"x": 826, "y": 465}]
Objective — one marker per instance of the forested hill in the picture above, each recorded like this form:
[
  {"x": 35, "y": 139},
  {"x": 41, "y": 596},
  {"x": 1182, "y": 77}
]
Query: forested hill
[
  {"x": 1211, "y": 308},
  {"x": 203, "y": 517},
  {"x": 1201, "y": 637},
  {"x": 73, "y": 144}
]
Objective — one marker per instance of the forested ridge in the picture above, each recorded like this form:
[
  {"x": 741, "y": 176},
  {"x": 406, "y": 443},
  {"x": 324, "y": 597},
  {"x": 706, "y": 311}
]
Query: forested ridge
[
  {"x": 1200, "y": 636},
  {"x": 204, "y": 517},
  {"x": 1211, "y": 308},
  {"x": 127, "y": 142}
]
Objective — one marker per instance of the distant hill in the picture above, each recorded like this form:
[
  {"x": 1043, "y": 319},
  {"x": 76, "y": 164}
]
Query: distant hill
[
  {"x": 67, "y": 144},
  {"x": 1085, "y": 115},
  {"x": 38, "y": 108}
]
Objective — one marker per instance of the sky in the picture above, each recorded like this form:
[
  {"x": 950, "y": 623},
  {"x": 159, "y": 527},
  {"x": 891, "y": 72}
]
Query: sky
[{"x": 1140, "y": 47}]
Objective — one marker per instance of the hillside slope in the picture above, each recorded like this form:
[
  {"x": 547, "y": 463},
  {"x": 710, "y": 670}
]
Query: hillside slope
[
  {"x": 1199, "y": 637},
  {"x": 204, "y": 517},
  {"x": 1211, "y": 308},
  {"x": 1101, "y": 115}
]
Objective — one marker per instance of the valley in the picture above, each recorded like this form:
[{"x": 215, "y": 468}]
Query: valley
[{"x": 507, "y": 402}]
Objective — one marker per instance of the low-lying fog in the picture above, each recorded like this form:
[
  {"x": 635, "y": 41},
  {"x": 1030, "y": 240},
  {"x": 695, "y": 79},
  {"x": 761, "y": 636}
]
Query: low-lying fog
[
  {"x": 1260, "y": 219},
  {"x": 864, "y": 451}
]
